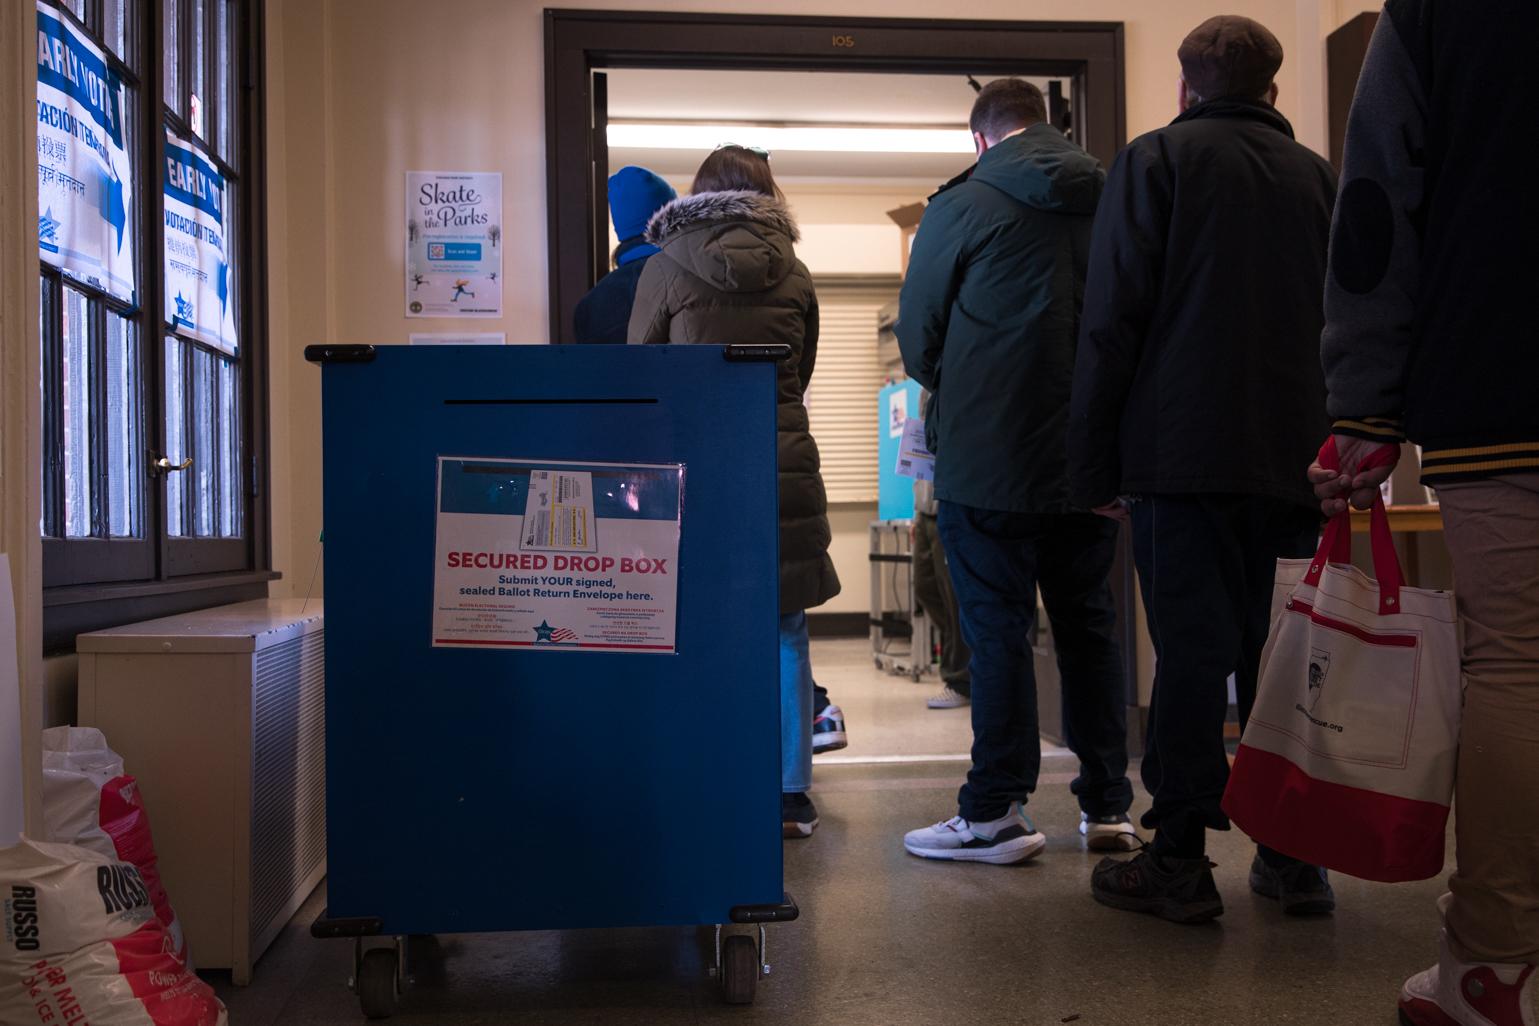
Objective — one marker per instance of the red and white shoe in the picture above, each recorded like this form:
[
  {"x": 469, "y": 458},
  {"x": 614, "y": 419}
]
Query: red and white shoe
[{"x": 1454, "y": 993}]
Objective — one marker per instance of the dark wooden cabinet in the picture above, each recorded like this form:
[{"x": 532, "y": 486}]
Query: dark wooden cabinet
[{"x": 1344, "y": 52}]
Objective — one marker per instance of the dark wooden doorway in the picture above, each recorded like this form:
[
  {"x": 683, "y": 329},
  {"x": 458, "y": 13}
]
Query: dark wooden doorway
[{"x": 579, "y": 43}]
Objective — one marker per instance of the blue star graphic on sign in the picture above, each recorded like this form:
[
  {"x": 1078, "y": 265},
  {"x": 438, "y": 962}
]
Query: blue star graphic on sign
[
  {"x": 183, "y": 310},
  {"x": 543, "y": 632},
  {"x": 47, "y": 226}
]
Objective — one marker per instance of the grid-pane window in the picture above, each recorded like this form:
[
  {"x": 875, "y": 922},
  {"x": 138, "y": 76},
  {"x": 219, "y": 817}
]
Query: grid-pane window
[
  {"x": 118, "y": 25},
  {"x": 172, "y": 54},
  {"x": 197, "y": 67},
  {"x": 77, "y": 402},
  {"x": 124, "y": 446},
  {"x": 203, "y": 314},
  {"x": 203, "y": 494},
  {"x": 147, "y": 363},
  {"x": 224, "y": 70},
  {"x": 176, "y": 437},
  {"x": 227, "y": 522}
]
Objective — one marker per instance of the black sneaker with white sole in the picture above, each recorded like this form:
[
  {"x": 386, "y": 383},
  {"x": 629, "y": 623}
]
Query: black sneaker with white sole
[
  {"x": 1108, "y": 833},
  {"x": 1301, "y": 889},
  {"x": 798, "y": 816},
  {"x": 1180, "y": 890},
  {"x": 828, "y": 734}
]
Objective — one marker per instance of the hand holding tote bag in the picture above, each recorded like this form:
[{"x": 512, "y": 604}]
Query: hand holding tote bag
[{"x": 1348, "y": 758}]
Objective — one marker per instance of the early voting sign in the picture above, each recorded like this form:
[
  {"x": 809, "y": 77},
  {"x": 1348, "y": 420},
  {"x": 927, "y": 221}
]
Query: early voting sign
[
  {"x": 565, "y": 556},
  {"x": 453, "y": 244},
  {"x": 84, "y": 185},
  {"x": 199, "y": 280}
]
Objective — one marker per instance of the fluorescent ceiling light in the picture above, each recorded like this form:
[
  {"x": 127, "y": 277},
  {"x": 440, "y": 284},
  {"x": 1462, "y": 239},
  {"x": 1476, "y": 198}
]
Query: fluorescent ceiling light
[{"x": 805, "y": 138}]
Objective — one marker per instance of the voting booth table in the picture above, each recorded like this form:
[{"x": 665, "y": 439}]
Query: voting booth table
[
  {"x": 552, "y": 604},
  {"x": 901, "y": 641}
]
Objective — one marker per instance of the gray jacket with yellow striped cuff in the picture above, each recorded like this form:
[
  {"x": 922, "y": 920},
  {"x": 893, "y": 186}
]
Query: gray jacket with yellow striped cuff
[{"x": 1431, "y": 324}]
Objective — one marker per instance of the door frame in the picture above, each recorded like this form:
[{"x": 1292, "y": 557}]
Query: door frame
[{"x": 579, "y": 42}]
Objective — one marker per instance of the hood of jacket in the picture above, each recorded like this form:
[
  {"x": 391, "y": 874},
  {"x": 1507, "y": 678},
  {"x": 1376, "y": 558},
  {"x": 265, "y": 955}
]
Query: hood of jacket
[
  {"x": 736, "y": 241},
  {"x": 1044, "y": 170}
]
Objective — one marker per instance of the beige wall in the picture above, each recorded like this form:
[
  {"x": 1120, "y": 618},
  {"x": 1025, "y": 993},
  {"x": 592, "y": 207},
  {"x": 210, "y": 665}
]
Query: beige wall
[
  {"x": 1346, "y": 10},
  {"x": 21, "y": 416},
  {"x": 359, "y": 94},
  {"x": 844, "y": 224}
]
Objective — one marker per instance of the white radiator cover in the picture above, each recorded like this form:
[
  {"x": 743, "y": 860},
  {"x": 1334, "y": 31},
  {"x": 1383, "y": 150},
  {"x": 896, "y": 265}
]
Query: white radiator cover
[{"x": 221, "y": 716}]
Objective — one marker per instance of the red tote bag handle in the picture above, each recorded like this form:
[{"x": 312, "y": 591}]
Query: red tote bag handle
[{"x": 1336, "y": 543}]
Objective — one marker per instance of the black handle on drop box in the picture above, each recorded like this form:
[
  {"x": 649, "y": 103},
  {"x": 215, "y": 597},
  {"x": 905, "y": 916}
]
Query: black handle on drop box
[
  {"x": 340, "y": 354},
  {"x": 756, "y": 353}
]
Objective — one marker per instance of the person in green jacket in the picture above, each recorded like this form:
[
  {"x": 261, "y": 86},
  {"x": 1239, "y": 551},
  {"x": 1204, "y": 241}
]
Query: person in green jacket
[
  {"x": 987, "y": 322},
  {"x": 727, "y": 272}
]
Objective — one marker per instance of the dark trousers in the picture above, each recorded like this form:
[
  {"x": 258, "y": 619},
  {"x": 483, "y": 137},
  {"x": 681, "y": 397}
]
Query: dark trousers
[
  {"x": 998, "y": 560},
  {"x": 1206, "y": 567},
  {"x": 932, "y": 589}
]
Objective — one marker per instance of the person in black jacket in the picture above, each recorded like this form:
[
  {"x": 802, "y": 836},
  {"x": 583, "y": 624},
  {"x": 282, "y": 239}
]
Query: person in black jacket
[
  {"x": 1430, "y": 334},
  {"x": 604, "y": 314},
  {"x": 986, "y": 322},
  {"x": 1198, "y": 396}
]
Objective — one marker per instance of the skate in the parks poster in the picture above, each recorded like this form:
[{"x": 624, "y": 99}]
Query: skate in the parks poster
[{"x": 453, "y": 244}]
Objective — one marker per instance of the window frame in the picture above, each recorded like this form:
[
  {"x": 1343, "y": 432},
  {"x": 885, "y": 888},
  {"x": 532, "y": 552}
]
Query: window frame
[{"x": 92, "y": 583}]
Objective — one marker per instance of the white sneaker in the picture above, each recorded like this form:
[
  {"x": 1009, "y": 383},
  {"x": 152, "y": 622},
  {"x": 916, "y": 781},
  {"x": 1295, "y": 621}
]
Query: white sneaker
[
  {"x": 1455, "y": 993},
  {"x": 1108, "y": 833},
  {"x": 949, "y": 698},
  {"x": 1011, "y": 838}
]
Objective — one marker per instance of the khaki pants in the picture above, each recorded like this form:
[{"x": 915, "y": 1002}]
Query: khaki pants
[
  {"x": 1492, "y": 529},
  {"x": 932, "y": 587}
]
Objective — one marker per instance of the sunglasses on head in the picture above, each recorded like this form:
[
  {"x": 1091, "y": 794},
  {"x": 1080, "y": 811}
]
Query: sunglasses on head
[{"x": 756, "y": 151}]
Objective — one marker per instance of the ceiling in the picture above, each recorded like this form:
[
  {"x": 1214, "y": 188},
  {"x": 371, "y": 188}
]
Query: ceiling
[{"x": 739, "y": 99}]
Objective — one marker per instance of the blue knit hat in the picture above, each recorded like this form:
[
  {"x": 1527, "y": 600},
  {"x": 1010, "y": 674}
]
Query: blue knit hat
[{"x": 635, "y": 194}]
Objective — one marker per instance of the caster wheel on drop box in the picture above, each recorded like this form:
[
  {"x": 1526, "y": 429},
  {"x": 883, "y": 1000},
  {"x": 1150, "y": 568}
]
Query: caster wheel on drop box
[
  {"x": 378, "y": 991},
  {"x": 739, "y": 969}
]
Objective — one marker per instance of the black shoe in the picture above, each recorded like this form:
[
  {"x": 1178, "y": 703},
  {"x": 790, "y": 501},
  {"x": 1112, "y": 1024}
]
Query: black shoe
[
  {"x": 1180, "y": 890},
  {"x": 798, "y": 816},
  {"x": 1301, "y": 889}
]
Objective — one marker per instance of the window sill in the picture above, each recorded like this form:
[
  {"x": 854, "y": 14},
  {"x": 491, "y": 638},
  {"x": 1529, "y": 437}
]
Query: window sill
[{"x": 78, "y": 609}]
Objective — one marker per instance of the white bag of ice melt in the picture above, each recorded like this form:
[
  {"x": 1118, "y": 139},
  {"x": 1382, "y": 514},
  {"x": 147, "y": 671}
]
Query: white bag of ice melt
[{"x": 80, "y": 943}]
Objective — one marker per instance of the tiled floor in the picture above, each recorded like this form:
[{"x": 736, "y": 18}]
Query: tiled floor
[
  {"x": 886, "y": 713},
  {"x": 887, "y": 940}
]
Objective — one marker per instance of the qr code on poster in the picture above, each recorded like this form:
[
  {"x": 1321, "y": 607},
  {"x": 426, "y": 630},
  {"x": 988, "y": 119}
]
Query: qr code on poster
[{"x": 435, "y": 251}]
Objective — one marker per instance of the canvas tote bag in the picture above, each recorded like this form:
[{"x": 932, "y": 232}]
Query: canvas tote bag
[{"x": 1348, "y": 759}]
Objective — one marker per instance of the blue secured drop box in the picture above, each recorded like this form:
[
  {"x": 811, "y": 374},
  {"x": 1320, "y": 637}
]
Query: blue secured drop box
[{"x": 513, "y": 779}]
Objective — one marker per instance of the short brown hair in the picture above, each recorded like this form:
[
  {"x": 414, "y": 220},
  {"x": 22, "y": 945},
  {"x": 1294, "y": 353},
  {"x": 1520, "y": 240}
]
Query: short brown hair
[
  {"x": 1004, "y": 105},
  {"x": 736, "y": 169},
  {"x": 1230, "y": 56}
]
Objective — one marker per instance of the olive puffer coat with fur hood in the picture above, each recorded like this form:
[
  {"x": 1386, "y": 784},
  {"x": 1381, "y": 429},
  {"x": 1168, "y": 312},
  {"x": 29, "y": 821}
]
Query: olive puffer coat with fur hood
[{"x": 728, "y": 274}]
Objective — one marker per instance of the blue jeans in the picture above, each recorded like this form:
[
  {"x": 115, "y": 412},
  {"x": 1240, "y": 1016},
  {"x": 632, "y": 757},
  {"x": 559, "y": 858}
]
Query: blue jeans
[
  {"x": 997, "y": 562},
  {"x": 795, "y": 705}
]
